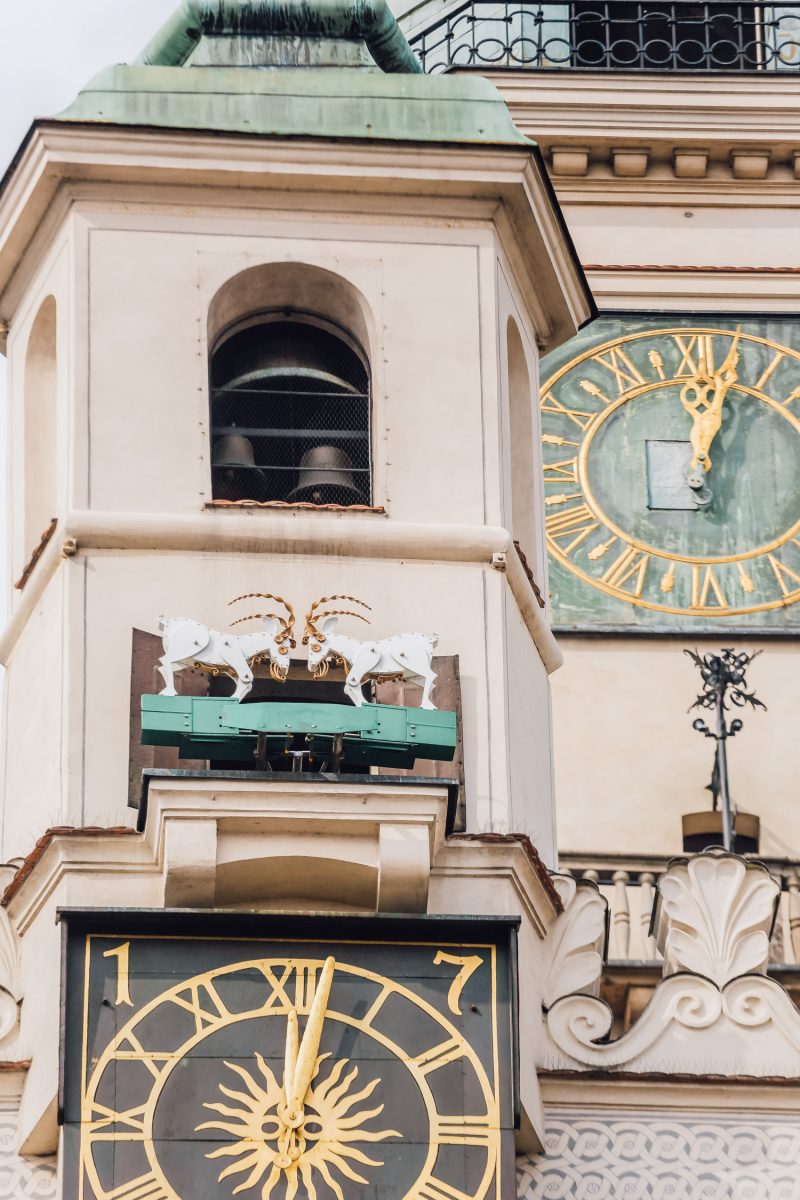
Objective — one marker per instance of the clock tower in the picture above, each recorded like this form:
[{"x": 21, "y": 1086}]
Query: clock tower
[{"x": 275, "y": 302}]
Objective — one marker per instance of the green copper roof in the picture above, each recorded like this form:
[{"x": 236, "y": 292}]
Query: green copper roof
[
  {"x": 265, "y": 33},
  {"x": 327, "y": 102},
  {"x": 293, "y": 68}
]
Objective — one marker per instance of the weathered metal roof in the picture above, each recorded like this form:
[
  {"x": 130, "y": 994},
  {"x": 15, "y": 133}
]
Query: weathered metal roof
[
  {"x": 264, "y": 33},
  {"x": 289, "y": 68},
  {"x": 285, "y": 102}
]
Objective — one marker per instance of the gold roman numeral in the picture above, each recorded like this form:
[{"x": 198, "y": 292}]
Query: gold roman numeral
[
  {"x": 783, "y": 574},
  {"x": 150, "y": 1059},
  {"x": 565, "y": 471},
  {"x": 204, "y": 1003},
  {"x": 688, "y": 345},
  {"x": 439, "y": 1056},
  {"x": 631, "y": 564},
  {"x": 305, "y": 985},
  {"x": 279, "y": 996},
  {"x": 132, "y": 1121},
  {"x": 574, "y": 523},
  {"x": 769, "y": 370},
  {"x": 377, "y": 1004},
  {"x": 145, "y": 1187},
  {"x": 706, "y": 590},
  {"x": 434, "y": 1189},
  {"x": 463, "y": 1131},
  {"x": 550, "y": 404},
  {"x": 617, "y": 362}
]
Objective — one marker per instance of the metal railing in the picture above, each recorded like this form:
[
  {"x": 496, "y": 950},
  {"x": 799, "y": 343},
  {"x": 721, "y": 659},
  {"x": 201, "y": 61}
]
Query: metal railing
[{"x": 611, "y": 35}]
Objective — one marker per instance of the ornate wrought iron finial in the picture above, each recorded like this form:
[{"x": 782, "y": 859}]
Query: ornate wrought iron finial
[{"x": 724, "y": 685}]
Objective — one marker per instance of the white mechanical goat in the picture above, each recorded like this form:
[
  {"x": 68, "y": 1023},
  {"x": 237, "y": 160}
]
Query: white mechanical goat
[
  {"x": 188, "y": 643},
  {"x": 405, "y": 656}
]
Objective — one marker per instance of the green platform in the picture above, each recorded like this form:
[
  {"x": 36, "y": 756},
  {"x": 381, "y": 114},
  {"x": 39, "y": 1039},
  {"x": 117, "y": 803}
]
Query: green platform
[{"x": 374, "y": 735}]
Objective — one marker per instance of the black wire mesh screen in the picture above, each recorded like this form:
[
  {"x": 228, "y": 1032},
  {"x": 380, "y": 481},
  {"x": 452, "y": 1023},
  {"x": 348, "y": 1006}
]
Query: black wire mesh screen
[
  {"x": 290, "y": 416},
  {"x": 613, "y": 35}
]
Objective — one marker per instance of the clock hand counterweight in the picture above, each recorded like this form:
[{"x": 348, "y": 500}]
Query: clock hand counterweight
[{"x": 703, "y": 397}]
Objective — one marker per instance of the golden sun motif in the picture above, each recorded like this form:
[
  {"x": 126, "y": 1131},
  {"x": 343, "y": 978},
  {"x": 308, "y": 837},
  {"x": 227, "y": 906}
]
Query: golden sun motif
[{"x": 323, "y": 1143}]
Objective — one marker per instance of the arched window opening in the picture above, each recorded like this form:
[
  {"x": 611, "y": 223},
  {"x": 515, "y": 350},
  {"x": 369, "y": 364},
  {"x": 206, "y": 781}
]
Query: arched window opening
[
  {"x": 520, "y": 403},
  {"x": 290, "y": 412},
  {"x": 40, "y": 425}
]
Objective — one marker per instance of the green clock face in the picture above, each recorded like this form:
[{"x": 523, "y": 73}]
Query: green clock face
[
  {"x": 365, "y": 1056},
  {"x": 672, "y": 473}
]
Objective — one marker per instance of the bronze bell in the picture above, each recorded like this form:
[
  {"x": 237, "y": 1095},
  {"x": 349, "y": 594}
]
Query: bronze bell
[
  {"x": 234, "y": 451},
  {"x": 325, "y": 477}
]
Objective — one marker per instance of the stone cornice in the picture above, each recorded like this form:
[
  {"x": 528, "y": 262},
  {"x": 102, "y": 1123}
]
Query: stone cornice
[
  {"x": 677, "y": 134},
  {"x": 366, "y": 535},
  {"x": 512, "y": 178}
]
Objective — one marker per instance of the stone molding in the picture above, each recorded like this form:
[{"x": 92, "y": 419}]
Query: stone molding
[
  {"x": 660, "y": 127},
  {"x": 222, "y": 842},
  {"x": 714, "y": 1011},
  {"x": 505, "y": 187},
  {"x": 252, "y": 533}
]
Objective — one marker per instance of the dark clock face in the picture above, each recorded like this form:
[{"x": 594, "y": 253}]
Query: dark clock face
[
  {"x": 672, "y": 473},
  {"x": 325, "y": 1067}
]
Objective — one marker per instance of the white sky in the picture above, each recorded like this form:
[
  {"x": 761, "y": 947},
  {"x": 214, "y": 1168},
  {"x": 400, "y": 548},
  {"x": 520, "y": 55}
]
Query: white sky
[{"x": 48, "y": 50}]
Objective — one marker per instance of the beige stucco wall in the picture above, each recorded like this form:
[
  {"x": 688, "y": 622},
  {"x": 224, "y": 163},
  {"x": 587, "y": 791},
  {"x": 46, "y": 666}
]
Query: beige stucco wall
[
  {"x": 629, "y": 763},
  {"x": 436, "y": 296}
]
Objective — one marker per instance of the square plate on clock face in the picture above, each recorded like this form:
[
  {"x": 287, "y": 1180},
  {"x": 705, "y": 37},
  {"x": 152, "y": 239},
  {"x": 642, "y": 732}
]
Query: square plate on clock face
[
  {"x": 671, "y": 458},
  {"x": 288, "y": 1056}
]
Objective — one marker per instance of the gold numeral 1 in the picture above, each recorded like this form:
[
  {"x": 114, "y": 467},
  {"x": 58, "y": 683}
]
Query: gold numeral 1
[{"x": 122, "y": 955}]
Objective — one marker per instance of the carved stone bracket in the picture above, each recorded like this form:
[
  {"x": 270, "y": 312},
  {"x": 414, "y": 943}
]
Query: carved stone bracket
[
  {"x": 10, "y": 984},
  {"x": 714, "y": 914},
  {"x": 575, "y": 945},
  {"x": 715, "y": 1011}
]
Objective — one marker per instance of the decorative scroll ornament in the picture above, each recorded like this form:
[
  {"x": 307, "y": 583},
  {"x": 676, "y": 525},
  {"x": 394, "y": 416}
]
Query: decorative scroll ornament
[
  {"x": 188, "y": 644},
  {"x": 574, "y": 946},
  {"x": 406, "y": 656},
  {"x": 714, "y": 915},
  {"x": 715, "y": 1012}
]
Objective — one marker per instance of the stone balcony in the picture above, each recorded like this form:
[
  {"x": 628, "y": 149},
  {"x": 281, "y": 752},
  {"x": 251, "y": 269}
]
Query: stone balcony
[{"x": 633, "y": 963}]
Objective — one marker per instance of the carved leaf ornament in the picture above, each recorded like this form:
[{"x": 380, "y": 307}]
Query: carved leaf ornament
[
  {"x": 716, "y": 1011},
  {"x": 716, "y": 915},
  {"x": 574, "y": 947}
]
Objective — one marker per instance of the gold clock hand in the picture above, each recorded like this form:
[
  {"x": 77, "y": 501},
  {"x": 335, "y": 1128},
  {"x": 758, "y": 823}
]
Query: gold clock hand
[
  {"x": 307, "y": 1055},
  {"x": 290, "y": 1054},
  {"x": 703, "y": 398}
]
